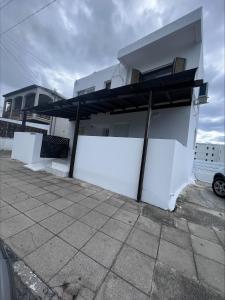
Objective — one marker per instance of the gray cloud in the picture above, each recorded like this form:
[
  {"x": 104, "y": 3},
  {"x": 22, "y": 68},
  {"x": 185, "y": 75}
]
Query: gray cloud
[{"x": 73, "y": 38}]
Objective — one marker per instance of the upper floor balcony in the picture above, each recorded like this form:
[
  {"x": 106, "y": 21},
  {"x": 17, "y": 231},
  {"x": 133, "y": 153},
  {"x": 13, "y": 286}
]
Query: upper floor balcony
[{"x": 26, "y": 97}]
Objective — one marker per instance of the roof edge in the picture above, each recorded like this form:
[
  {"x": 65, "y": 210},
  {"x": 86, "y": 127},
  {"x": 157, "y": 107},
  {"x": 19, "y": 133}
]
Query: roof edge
[{"x": 192, "y": 17}]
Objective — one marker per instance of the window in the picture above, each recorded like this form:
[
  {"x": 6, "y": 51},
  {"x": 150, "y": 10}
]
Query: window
[
  {"x": 108, "y": 84},
  {"x": 212, "y": 154},
  {"x": 207, "y": 148},
  {"x": 207, "y": 154},
  {"x": 213, "y": 148},
  {"x": 163, "y": 71},
  {"x": 86, "y": 91}
]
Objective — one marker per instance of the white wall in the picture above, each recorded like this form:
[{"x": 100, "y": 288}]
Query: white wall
[
  {"x": 112, "y": 163},
  {"x": 210, "y": 152},
  {"x": 116, "y": 73},
  {"x": 165, "y": 173},
  {"x": 6, "y": 144},
  {"x": 205, "y": 170},
  {"x": 158, "y": 173},
  {"x": 180, "y": 171},
  {"x": 27, "y": 147}
]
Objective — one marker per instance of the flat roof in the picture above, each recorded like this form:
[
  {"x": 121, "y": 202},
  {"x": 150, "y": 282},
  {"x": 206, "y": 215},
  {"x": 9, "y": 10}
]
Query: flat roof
[
  {"x": 32, "y": 87},
  {"x": 167, "y": 91},
  {"x": 185, "y": 30}
]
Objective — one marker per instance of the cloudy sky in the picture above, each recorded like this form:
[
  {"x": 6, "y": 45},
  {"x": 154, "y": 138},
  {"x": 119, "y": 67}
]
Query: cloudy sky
[{"x": 70, "y": 39}]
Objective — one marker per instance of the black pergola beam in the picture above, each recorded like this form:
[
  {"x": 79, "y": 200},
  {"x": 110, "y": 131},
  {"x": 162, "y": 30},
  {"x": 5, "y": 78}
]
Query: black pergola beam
[
  {"x": 75, "y": 138},
  {"x": 127, "y": 111},
  {"x": 145, "y": 148}
]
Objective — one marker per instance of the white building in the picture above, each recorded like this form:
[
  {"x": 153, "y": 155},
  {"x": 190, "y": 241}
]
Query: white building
[
  {"x": 210, "y": 152},
  {"x": 109, "y": 150},
  {"x": 25, "y": 97}
]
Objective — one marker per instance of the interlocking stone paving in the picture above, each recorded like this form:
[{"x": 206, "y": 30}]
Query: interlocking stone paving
[{"x": 106, "y": 245}]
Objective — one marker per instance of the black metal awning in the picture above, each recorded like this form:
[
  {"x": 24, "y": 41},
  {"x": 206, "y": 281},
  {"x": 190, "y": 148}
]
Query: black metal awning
[{"x": 168, "y": 91}]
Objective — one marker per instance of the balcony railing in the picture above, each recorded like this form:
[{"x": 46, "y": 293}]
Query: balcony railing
[
  {"x": 18, "y": 115},
  {"x": 40, "y": 118}
]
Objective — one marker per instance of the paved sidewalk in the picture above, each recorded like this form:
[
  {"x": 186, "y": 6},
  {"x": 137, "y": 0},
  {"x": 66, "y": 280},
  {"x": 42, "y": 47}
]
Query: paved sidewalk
[{"x": 79, "y": 238}]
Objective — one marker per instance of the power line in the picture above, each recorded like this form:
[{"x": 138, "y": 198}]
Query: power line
[
  {"x": 28, "y": 17},
  {"x": 24, "y": 49},
  {"x": 7, "y": 54},
  {"x": 25, "y": 68},
  {"x": 7, "y": 3}
]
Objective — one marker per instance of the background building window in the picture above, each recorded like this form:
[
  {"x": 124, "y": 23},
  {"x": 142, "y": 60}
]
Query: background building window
[
  {"x": 108, "y": 84},
  {"x": 159, "y": 72}
]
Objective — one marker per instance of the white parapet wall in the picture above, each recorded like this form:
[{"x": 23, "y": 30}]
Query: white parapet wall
[
  {"x": 166, "y": 173},
  {"x": 114, "y": 163},
  {"x": 110, "y": 162},
  {"x": 27, "y": 147}
]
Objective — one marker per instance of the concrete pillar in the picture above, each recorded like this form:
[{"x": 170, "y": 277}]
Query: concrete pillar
[
  {"x": 36, "y": 97},
  {"x": 12, "y": 107},
  {"x": 23, "y": 102},
  {"x": 36, "y": 100},
  {"x": 22, "y": 106}
]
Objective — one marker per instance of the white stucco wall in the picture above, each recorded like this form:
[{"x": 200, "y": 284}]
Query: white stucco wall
[
  {"x": 114, "y": 163},
  {"x": 27, "y": 147},
  {"x": 116, "y": 73}
]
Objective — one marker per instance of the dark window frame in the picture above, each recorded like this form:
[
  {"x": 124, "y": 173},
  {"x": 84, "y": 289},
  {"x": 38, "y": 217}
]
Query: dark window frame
[
  {"x": 86, "y": 91},
  {"x": 107, "y": 84}
]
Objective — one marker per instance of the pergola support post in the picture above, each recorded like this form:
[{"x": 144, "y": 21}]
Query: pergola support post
[
  {"x": 75, "y": 138},
  {"x": 24, "y": 120},
  {"x": 145, "y": 148}
]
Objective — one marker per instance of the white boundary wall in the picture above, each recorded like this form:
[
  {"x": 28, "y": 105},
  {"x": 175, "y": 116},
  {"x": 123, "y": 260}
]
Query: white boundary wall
[
  {"x": 165, "y": 173},
  {"x": 205, "y": 170},
  {"x": 27, "y": 147},
  {"x": 110, "y": 162},
  {"x": 114, "y": 163},
  {"x": 6, "y": 144}
]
